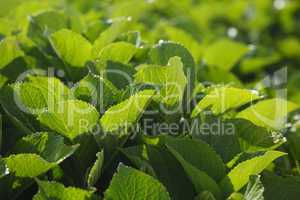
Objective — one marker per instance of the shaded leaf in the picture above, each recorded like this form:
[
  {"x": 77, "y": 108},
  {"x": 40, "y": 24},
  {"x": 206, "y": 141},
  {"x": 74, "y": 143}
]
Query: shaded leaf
[
  {"x": 205, "y": 195},
  {"x": 199, "y": 178},
  {"x": 203, "y": 157},
  {"x": 95, "y": 172},
  {"x": 96, "y": 90},
  {"x": 280, "y": 188},
  {"x": 3, "y": 169},
  {"x": 23, "y": 121},
  {"x": 160, "y": 163},
  {"x": 253, "y": 138}
]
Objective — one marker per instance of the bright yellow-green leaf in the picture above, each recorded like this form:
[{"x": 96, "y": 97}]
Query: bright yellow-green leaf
[
  {"x": 71, "y": 47},
  {"x": 9, "y": 50},
  {"x": 129, "y": 183},
  {"x": 70, "y": 118},
  {"x": 221, "y": 99},
  {"x": 117, "y": 27},
  {"x": 170, "y": 78},
  {"x": 117, "y": 52},
  {"x": 270, "y": 113},
  {"x": 41, "y": 93},
  {"x": 127, "y": 113},
  {"x": 181, "y": 36},
  {"x": 239, "y": 176},
  {"x": 54, "y": 190},
  {"x": 27, "y": 165},
  {"x": 224, "y": 54}
]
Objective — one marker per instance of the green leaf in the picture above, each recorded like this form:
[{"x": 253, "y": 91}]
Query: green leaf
[
  {"x": 121, "y": 75},
  {"x": 97, "y": 91},
  {"x": 293, "y": 87},
  {"x": 22, "y": 121},
  {"x": 165, "y": 165},
  {"x": 238, "y": 177},
  {"x": 32, "y": 97},
  {"x": 199, "y": 178},
  {"x": 51, "y": 84},
  {"x": 162, "y": 53},
  {"x": 117, "y": 27},
  {"x": 121, "y": 52},
  {"x": 255, "y": 189},
  {"x": 218, "y": 76},
  {"x": 160, "y": 163},
  {"x": 268, "y": 113},
  {"x": 171, "y": 78},
  {"x": 251, "y": 65},
  {"x": 49, "y": 146},
  {"x": 35, "y": 154},
  {"x": 132, "y": 37},
  {"x": 27, "y": 165},
  {"x": 219, "y": 134},
  {"x": 183, "y": 37},
  {"x": 71, "y": 47},
  {"x": 253, "y": 138},
  {"x": 54, "y": 190},
  {"x": 224, "y": 54},
  {"x": 9, "y": 51},
  {"x": 236, "y": 196},
  {"x": 133, "y": 8},
  {"x": 22, "y": 10},
  {"x": 122, "y": 116},
  {"x": 6, "y": 27},
  {"x": 138, "y": 156},
  {"x": 205, "y": 195},
  {"x": 294, "y": 144},
  {"x": 290, "y": 47},
  {"x": 41, "y": 93},
  {"x": 43, "y": 24},
  {"x": 95, "y": 172},
  {"x": 70, "y": 118},
  {"x": 3, "y": 80},
  {"x": 129, "y": 183},
  {"x": 280, "y": 188},
  {"x": 203, "y": 157},
  {"x": 221, "y": 99}
]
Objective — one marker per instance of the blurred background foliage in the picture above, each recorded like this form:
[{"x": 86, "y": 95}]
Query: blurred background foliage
[{"x": 266, "y": 33}]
